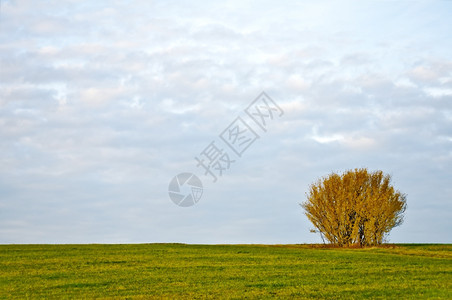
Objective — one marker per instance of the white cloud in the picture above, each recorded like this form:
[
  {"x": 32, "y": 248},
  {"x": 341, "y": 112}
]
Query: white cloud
[
  {"x": 100, "y": 96},
  {"x": 438, "y": 92},
  {"x": 102, "y": 103}
]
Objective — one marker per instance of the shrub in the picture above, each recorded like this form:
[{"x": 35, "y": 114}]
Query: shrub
[{"x": 356, "y": 208}]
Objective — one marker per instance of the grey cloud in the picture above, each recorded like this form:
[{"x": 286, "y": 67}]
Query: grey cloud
[{"x": 101, "y": 105}]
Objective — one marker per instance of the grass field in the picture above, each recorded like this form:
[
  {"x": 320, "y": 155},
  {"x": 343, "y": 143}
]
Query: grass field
[{"x": 181, "y": 271}]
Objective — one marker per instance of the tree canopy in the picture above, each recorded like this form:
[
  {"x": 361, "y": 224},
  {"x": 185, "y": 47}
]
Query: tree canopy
[{"x": 357, "y": 207}]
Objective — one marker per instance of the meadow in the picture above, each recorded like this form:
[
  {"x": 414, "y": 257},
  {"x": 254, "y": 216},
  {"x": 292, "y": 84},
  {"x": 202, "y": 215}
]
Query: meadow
[{"x": 179, "y": 271}]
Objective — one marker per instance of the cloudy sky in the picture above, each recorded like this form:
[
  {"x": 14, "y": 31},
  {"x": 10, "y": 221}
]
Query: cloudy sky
[{"x": 102, "y": 103}]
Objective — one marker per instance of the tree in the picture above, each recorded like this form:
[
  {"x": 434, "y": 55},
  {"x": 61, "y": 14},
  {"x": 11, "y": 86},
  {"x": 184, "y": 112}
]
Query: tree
[{"x": 356, "y": 208}]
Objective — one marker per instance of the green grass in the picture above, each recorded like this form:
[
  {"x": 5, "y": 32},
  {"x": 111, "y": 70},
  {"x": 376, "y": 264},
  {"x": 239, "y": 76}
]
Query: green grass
[{"x": 181, "y": 271}]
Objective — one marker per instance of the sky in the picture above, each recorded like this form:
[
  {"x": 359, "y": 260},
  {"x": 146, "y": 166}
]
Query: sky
[{"x": 103, "y": 103}]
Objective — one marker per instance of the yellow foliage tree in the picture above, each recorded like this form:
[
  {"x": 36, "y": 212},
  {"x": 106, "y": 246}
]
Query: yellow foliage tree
[{"x": 357, "y": 207}]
